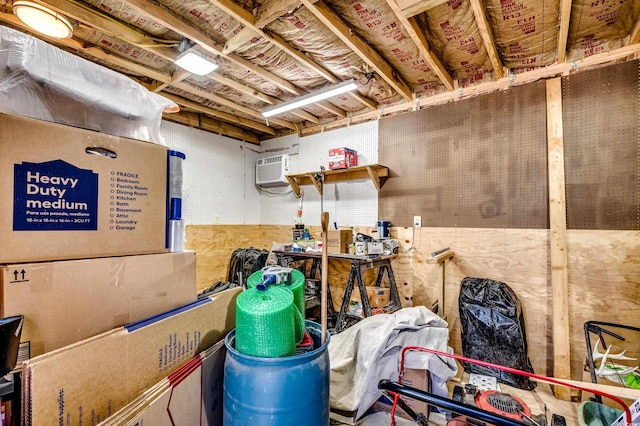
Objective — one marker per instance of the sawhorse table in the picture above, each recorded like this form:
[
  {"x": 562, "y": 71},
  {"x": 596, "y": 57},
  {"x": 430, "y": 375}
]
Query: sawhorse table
[{"x": 359, "y": 264}]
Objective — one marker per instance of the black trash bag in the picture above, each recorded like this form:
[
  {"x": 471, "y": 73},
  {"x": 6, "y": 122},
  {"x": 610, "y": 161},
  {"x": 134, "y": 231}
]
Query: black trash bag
[{"x": 493, "y": 330}]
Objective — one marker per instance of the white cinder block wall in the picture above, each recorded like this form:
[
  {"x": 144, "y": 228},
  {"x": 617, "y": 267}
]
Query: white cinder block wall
[{"x": 219, "y": 178}]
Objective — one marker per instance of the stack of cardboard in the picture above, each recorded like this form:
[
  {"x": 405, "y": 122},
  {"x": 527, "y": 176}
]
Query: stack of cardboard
[{"x": 83, "y": 253}]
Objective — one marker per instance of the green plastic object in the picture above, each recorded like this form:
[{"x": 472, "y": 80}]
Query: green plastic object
[
  {"x": 591, "y": 413},
  {"x": 297, "y": 288},
  {"x": 265, "y": 322}
]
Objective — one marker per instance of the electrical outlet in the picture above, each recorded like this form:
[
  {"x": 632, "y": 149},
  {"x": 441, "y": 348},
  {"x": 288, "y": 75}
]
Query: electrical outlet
[{"x": 417, "y": 221}]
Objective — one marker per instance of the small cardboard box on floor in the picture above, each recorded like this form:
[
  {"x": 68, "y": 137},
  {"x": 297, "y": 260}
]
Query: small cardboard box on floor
[
  {"x": 88, "y": 381},
  {"x": 418, "y": 379},
  {"x": 67, "y": 301},
  {"x": 71, "y": 193}
]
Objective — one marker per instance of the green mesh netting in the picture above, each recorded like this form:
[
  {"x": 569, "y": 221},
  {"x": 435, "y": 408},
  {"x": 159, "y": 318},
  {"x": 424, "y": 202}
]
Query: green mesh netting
[
  {"x": 297, "y": 288},
  {"x": 265, "y": 322}
]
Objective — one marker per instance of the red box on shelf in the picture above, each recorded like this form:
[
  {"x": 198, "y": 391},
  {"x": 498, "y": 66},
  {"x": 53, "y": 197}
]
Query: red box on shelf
[{"x": 342, "y": 158}]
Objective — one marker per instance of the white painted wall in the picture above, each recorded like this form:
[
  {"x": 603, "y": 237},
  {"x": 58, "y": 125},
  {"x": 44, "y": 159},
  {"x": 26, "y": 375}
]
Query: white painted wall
[
  {"x": 351, "y": 203},
  {"x": 219, "y": 178}
]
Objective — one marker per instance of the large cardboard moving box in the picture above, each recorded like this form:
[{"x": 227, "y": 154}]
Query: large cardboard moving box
[
  {"x": 67, "y": 301},
  {"x": 88, "y": 381},
  {"x": 73, "y": 193}
]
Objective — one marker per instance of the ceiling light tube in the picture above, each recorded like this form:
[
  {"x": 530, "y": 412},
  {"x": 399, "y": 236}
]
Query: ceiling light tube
[
  {"x": 196, "y": 63},
  {"x": 42, "y": 19},
  {"x": 311, "y": 98}
]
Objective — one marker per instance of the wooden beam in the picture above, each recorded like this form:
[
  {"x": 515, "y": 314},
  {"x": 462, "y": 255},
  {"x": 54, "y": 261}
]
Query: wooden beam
[
  {"x": 487, "y": 37},
  {"x": 207, "y": 124},
  {"x": 329, "y": 18},
  {"x": 238, "y": 12},
  {"x": 558, "y": 240},
  {"x": 108, "y": 25},
  {"x": 483, "y": 88},
  {"x": 219, "y": 114},
  {"x": 177, "y": 76},
  {"x": 635, "y": 33},
  {"x": 563, "y": 32},
  {"x": 247, "y": 20},
  {"x": 226, "y": 102},
  {"x": 238, "y": 40},
  {"x": 169, "y": 20},
  {"x": 416, "y": 34},
  {"x": 414, "y": 7}
]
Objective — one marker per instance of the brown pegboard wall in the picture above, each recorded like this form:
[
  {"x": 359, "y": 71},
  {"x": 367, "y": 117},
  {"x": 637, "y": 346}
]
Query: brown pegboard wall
[
  {"x": 478, "y": 163},
  {"x": 601, "y": 118}
]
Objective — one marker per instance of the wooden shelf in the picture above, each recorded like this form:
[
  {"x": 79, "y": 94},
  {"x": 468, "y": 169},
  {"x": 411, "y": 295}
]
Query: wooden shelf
[{"x": 377, "y": 173}]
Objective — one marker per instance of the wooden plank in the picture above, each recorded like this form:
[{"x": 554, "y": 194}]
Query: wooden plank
[
  {"x": 109, "y": 25},
  {"x": 413, "y": 7},
  {"x": 416, "y": 33},
  {"x": 487, "y": 36},
  {"x": 358, "y": 45},
  {"x": 558, "y": 226},
  {"x": 192, "y": 120},
  {"x": 635, "y": 33},
  {"x": 219, "y": 114},
  {"x": 224, "y": 101},
  {"x": 375, "y": 171},
  {"x": 563, "y": 32},
  {"x": 483, "y": 88}
]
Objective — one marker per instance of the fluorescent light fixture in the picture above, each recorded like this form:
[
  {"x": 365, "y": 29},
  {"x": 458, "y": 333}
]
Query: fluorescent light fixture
[
  {"x": 194, "y": 62},
  {"x": 310, "y": 98},
  {"x": 42, "y": 19}
]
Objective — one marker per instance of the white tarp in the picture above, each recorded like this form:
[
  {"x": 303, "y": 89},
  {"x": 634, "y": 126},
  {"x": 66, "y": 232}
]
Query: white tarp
[
  {"x": 40, "y": 81},
  {"x": 369, "y": 351}
]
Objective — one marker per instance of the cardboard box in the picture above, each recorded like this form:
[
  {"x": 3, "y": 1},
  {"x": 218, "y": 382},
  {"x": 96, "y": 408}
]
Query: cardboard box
[
  {"x": 67, "y": 301},
  {"x": 88, "y": 381},
  {"x": 65, "y": 202},
  {"x": 342, "y": 158},
  {"x": 418, "y": 379},
  {"x": 338, "y": 241}
]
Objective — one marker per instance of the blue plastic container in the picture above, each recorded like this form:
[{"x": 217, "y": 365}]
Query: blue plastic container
[{"x": 291, "y": 390}]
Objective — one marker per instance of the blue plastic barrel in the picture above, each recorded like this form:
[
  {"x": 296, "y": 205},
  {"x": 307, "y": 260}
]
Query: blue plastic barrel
[{"x": 291, "y": 390}]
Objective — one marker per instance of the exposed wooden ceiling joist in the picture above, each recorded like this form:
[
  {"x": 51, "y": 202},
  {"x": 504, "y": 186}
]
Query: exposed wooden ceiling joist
[
  {"x": 211, "y": 46},
  {"x": 416, "y": 33},
  {"x": 563, "y": 32},
  {"x": 329, "y": 18},
  {"x": 487, "y": 37},
  {"x": 414, "y": 7},
  {"x": 229, "y": 104},
  {"x": 635, "y": 33},
  {"x": 250, "y": 30},
  {"x": 219, "y": 114},
  {"x": 502, "y": 84},
  {"x": 204, "y": 123},
  {"x": 107, "y": 25},
  {"x": 268, "y": 12}
]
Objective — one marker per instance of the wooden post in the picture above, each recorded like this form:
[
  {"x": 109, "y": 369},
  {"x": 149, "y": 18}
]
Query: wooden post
[
  {"x": 558, "y": 227},
  {"x": 440, "y": 259},
  {"x": 324, "y": 283}
]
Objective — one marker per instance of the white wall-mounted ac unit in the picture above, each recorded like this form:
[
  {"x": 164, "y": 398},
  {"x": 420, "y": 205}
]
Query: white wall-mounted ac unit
[{"x": 271, "y": 171}]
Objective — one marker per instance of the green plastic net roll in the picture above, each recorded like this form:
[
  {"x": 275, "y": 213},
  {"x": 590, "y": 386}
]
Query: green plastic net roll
[
  {"x": 265, "y": 322},
  {"x": 297, "y": 288}
]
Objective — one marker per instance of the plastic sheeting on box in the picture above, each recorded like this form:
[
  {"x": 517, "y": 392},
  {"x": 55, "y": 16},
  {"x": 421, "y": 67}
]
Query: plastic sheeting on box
[{"x": 40, "y": 81}]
